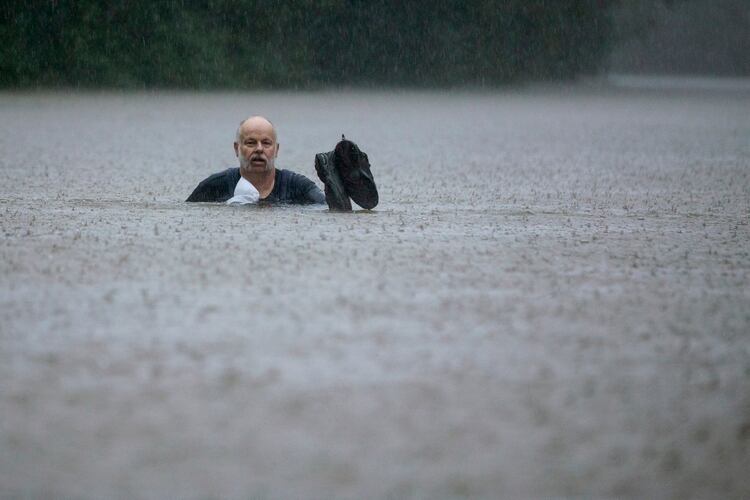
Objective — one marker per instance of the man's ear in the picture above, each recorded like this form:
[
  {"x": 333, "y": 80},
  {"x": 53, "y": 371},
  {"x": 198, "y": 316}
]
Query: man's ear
[
  {"x": 237, "y": 149},
  {"x": 277, "y": 149}
]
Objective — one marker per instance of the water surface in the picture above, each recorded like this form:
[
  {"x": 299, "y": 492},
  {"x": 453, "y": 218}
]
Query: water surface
[{"x": 550, "y": 299}]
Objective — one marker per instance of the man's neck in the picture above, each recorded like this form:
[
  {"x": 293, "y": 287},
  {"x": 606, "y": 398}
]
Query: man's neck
[{"x": 263, "y": 181}]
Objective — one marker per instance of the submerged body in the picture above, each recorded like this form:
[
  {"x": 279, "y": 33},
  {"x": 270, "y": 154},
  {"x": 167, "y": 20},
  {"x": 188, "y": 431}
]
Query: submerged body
[
  {"x": 257, "y": 148},
  {"x": 288, "y": 187}
]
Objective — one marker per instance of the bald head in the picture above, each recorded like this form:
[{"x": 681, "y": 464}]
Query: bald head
[
  {"x": 259, "y": 123},
  {"x": 256, "y": 147}
]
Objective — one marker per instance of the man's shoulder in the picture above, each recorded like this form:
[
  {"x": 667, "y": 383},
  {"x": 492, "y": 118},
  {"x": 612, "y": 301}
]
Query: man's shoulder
[
  {"x": 216, "y": 187},
  {"x": 231, "y": 172},
  {"x": 291, "y": 174},
  {"x": 296, "y": 180},
  {"x": 297, "y": 188}
]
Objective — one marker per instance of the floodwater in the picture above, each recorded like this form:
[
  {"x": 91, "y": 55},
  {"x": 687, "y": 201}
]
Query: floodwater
[{"x": 551, "y": 299}]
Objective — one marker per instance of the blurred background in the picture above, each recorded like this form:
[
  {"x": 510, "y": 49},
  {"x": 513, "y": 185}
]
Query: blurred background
[{"x": 255, "y": 44}]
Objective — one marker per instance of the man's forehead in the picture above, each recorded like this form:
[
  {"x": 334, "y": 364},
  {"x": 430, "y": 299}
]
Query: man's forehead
[{"x": 257, "y": 125}]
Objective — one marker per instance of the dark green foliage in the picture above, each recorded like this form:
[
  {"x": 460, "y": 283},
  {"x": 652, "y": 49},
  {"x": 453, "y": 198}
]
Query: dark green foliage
[
  {"x": 709, "y": 37},
  {"x": 297, "y": 43}
]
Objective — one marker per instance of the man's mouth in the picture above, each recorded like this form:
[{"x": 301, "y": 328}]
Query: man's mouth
[{"x": 258, "y": 161}]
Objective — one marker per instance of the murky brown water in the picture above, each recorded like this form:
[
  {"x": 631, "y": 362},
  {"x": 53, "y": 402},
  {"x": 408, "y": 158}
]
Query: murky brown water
[{"x": 551, "y": 299}]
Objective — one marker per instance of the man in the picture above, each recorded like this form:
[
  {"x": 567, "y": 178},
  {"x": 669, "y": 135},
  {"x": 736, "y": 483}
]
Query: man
[{"x": 257, "y": 178}]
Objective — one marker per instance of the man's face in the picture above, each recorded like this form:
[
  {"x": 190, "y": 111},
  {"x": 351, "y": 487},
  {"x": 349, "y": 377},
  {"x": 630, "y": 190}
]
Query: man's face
[{"x": 256, "y": 146}]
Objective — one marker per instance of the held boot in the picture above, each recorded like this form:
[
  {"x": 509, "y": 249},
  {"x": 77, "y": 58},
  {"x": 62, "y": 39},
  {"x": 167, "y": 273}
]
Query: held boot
[
  {"x": 334, "y": 187},
  {"x": 345, "y": 171},
  {"x": 354, "y": 168}
]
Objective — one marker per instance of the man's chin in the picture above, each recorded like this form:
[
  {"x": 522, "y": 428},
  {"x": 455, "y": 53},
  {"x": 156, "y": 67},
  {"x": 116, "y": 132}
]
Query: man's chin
[{"x": 257, "y": 168}]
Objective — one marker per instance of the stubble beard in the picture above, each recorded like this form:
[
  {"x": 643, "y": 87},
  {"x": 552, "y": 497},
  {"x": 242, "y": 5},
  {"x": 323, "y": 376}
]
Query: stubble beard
[{"x": 246, "y": 166}]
